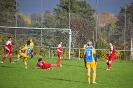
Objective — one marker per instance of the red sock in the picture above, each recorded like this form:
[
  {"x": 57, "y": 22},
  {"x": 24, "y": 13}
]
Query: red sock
[
  {"x": 10, "y": 60},
  {"x": 58, "y": 65},
  {"x": 3, "y": 59},
  {"x": 109, "y": 65},
  {"x": 58, "y": 61}
]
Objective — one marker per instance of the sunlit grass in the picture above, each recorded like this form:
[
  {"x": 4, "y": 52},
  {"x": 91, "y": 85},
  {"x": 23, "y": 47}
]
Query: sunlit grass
[{"x": 72, "y": 75}]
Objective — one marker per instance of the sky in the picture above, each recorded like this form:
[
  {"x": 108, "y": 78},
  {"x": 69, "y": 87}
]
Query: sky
[{"x": 29, "y": 6}]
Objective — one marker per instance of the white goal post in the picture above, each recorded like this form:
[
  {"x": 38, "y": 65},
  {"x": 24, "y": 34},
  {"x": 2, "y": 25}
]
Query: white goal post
[
  {"x": 131, "y": 53},
  {"x": 41, "y": 29}
]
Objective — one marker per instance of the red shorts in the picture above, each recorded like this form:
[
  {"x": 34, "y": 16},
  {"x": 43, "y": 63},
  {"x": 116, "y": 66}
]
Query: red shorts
[
  {"x": 46, "y": 66},
  {"x": 8, "y": 52},
  {"x": 111, "y": 58},
  {"x": 59, "y": 54}
]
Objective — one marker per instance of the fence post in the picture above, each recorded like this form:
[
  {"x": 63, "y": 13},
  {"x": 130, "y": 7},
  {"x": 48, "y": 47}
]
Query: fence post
[{"x": 79, "y": 53}]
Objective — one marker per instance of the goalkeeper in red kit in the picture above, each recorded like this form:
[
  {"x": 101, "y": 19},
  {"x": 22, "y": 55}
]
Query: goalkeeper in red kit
[
  {"x": 41, "y": 64},
  {"x": 59, "y": 54},
  {"x": 111, "y": 57}
]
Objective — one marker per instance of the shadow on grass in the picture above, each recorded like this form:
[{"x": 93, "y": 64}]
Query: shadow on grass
[
  {"x": 6, "y": 67},
  {"x": 101, "y": 68},
  {"x": 65, "y": 80},
  {"x": 72, "y": 65}
]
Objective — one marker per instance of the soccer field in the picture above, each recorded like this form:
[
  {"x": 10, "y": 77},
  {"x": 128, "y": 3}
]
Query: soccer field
[{"x": 71, "y": 75}]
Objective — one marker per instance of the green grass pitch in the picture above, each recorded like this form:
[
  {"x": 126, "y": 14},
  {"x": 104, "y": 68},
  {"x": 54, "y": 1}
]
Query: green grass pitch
[{"x": 72, "y": 74}]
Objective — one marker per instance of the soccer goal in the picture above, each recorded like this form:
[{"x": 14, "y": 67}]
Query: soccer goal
[
  {"x": 131, "y": 54},
  {"x": 42, "y": 37}
]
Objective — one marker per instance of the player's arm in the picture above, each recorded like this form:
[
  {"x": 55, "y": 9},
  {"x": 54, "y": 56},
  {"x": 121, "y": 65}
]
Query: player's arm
[
  {"x": 23, "y": 48},
  {"x": 7, "y": 48},
  {"x": 95, "y": 56},
  {"x": 32, "y": 45},
  {"x": 59, "y": 49},
  {"x": 111, "y": 50},
  {"x": 7, "y": 45},
  {"x": 84, "y": 47},
  {"x": 37, "y": 66}
]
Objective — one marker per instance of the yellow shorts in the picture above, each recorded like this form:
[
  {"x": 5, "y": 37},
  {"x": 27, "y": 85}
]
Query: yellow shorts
[
  {"x": 90, "y": 65},
  {"x": 24, "y": 55}
]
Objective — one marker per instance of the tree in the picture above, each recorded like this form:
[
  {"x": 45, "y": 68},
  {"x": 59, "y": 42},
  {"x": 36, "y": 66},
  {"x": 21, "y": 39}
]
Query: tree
[
  {"x": 82, "y": 20},
  {"x": 7, "y": 12},
  {"x": 125, "y": 25}
]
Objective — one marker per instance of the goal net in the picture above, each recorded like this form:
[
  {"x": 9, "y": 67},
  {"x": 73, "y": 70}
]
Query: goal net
[{"x": 42, "y": 37}]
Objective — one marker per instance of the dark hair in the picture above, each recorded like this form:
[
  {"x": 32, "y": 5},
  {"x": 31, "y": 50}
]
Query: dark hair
[
  {"x": 87, "y": 40},
  {"x": 111, "y": 43},
  {"x": 39, "y": 59},
  {"x": 28, "y": 42},
  {"x": 9, "y": 37}
]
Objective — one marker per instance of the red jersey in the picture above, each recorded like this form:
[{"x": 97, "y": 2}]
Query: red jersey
[
  {"x": 8, "y": 46},
  {"x": 59, "y": 48},
  {"x": 112, "y": 51},
  {"x": 40, "y": 64}
]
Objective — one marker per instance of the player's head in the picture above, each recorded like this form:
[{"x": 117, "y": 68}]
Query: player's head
[
  {"x": 110, "y": 44},
  {"x": 28, "y": 42},
  {"x": 89, "y": 42},
  {"x": 61, "y": 42},
  {"x": 39, "y": 59},
  {"x": 10, "y": 38}
]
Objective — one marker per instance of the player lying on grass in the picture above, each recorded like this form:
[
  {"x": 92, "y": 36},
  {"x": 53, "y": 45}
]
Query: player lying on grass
[{"x": 41, "y": 64}]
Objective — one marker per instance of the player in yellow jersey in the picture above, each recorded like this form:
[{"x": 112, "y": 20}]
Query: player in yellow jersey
[
  {"x": 90, "y": 61},
  {"x": 26, "y": 53}
]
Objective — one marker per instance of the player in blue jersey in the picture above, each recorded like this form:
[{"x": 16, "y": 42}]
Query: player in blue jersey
[{"x": 90, "y": 61}]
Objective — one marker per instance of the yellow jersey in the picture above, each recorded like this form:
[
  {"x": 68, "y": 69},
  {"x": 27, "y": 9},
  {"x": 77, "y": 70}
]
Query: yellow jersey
[{"x": 31, "y": 45}]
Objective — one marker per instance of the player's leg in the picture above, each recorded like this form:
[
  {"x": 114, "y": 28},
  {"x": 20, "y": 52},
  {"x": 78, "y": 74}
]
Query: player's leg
[
  {"x": 48, "y": 66},
  {"x": 24, "y": 55},
  {"x": 108, "y": 64},
  {"x": 18, "y": 57},
  {"x": 88, "y": 75},
  {"x": 25, "y": 63},
  {"x": 56, "y": 65},
  {"x": 25, "y": 58},
  {"x": 59, "y": 58},
  {"x": 93, "y": 66},
  {"x": 88, "y": 71},
  {"x": 32, "y": 53},
  {"x": 2, "y": 61},
  {"x": 10, "y": 58}
]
